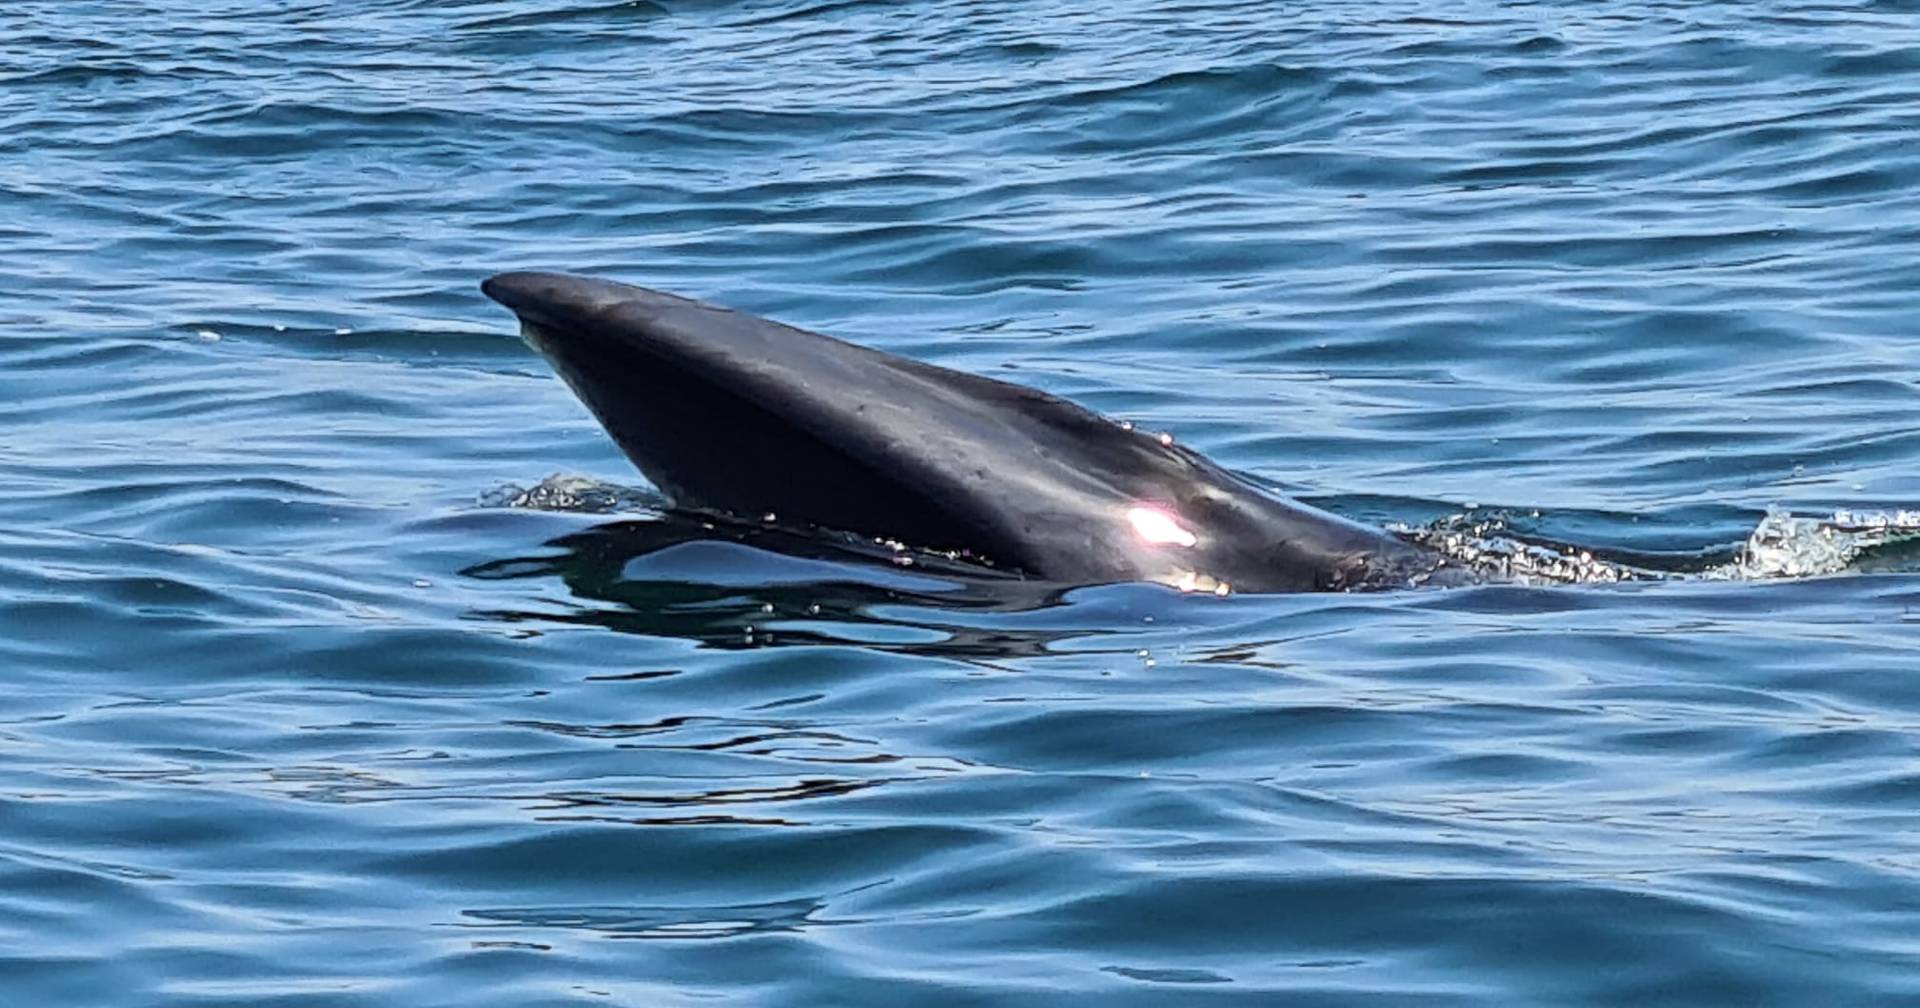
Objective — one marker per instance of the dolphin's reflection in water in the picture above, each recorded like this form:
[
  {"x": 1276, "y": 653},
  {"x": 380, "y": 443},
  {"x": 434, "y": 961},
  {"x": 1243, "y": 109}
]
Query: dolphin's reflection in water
[{"x": 733, "y": 585}]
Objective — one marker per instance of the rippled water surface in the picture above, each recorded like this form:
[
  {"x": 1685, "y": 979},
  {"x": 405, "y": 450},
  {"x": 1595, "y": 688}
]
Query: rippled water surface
[{"x": 292, "y": 716}]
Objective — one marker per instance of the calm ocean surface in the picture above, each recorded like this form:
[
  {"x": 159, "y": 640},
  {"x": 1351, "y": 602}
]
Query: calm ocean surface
[{"x": 290, "y": 717}]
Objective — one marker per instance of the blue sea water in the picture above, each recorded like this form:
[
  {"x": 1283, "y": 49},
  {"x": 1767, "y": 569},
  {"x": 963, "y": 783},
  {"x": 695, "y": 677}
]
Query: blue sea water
[{"x": 291, "y": 717}]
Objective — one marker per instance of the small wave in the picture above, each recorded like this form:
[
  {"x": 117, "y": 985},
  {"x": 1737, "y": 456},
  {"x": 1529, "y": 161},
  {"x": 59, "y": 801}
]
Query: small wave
[
  {"x": 1782, "y": 545},
  {"x": 1785, "y": 545},
  {"x": 1488, "y": 547},
  {"x": 613, "y": 13},
  {"x": 573, "y": 493}
]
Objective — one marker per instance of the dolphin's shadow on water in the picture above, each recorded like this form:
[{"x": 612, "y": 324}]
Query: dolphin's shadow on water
[{"x": 736, "y": 585}]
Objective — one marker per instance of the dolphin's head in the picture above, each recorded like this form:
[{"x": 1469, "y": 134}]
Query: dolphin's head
[{"x": 728, "y": 412}]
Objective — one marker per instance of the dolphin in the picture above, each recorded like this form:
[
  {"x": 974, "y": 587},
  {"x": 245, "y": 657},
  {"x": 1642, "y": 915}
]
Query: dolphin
[{"x": 728, "y": 413}]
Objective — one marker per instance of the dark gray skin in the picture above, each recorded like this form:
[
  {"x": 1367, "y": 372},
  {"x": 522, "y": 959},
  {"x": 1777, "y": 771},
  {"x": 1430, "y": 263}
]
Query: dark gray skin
[{"x": 727, "y": 412}]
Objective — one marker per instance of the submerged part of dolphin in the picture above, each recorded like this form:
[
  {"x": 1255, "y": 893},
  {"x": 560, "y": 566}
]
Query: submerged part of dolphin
[{"x": 727, "y": 412}]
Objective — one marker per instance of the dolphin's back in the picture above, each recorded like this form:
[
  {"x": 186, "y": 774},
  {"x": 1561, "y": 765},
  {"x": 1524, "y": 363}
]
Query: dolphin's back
[{"x": 730, "y": 412}]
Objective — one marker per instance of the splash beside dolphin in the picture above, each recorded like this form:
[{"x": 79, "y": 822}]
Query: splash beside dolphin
[{"x": 727, "y": 412}]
